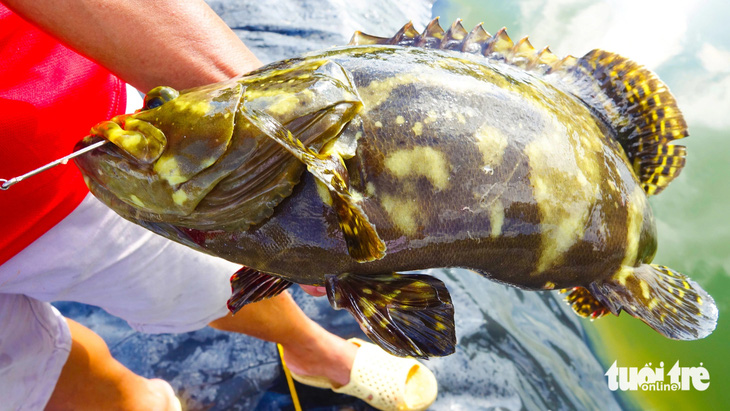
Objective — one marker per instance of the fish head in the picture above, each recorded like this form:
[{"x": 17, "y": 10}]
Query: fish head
[
  {"x": 163, "y": 160},
  {"x": 156, "y": 153}
]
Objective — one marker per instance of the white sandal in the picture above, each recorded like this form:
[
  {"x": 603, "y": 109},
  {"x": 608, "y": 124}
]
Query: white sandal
[{"x": 384, "y": 381}]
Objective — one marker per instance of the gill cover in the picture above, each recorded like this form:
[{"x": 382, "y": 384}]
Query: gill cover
[{"x": 198, "y": 126}]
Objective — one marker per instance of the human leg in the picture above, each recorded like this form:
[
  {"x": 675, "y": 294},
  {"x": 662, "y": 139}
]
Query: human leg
[
  {"x": 321, "y": 359},
  {"x": 159, "y": 286},
  {"x": 308, "y": 348},
  {"x": 92, "y": 379}
]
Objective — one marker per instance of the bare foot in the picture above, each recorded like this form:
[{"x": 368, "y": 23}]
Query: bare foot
[
  {"x": 327, "y": 356},
  {"x": 163, "y": 395}
]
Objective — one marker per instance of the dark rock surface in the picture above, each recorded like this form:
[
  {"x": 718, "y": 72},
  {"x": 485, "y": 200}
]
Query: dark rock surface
[{"x": 517, "y": 350}]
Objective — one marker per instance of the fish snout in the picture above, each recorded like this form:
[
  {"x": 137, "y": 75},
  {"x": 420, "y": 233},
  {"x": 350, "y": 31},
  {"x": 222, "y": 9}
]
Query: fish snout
[{"x": 137, "y": 138}]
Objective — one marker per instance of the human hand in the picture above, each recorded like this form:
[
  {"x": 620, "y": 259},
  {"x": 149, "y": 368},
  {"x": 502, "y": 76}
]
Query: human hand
[{"x": 314, "y": 290}]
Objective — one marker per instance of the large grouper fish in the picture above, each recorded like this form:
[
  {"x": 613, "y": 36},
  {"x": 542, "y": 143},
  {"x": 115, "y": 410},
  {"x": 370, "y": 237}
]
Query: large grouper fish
[{"x": 344, "y": 167}]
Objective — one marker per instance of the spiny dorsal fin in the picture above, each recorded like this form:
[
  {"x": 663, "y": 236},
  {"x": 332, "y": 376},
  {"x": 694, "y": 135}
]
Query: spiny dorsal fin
[
  {"x": 475, "y": 40},
  {"x": 499, "y": 45},
  {"x": 362, "y": 39},
  {"x": 431, "y": 36},
  {"x": 630, "y": 98},
  {"x": 454, "y": 36}
]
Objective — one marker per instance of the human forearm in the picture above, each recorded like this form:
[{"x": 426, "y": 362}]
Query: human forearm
[{"x": 147, "y": 43}]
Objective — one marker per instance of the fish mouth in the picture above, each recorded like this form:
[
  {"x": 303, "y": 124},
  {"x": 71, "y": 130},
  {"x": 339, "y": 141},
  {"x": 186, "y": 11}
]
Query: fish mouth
[
  {"x": 96, "y": 168},
  {"x": 122, "y": 182},
  {"x": 136, "y": 138}
]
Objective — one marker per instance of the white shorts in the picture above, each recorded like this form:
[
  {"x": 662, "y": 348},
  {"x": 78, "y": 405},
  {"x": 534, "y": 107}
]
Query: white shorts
[{"x": 94, "y": 256}]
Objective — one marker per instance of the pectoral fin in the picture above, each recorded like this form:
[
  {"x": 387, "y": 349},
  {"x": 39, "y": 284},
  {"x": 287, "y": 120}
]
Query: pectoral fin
[
  {"x": 363, "y": 241},
  {"x": 407, "y": 315},
  {"x": 250, "y": 286}
]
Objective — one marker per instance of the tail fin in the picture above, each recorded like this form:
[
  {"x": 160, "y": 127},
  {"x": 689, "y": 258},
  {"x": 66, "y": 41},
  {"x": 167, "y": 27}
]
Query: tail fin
[
  {"x": 667, "y": 301},
  {"x": 630, "y": 98}
]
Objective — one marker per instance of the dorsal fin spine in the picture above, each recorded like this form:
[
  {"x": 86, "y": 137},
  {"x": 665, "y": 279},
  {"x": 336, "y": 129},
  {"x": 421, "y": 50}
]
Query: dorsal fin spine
[
  {"x": 405, "y": 36},
  {"x": 543, "y": 61},
  {"x": 475, "y": 40},
  {"x": 362, "y": 39},
  {"x": 432, "y": 35},
  {"x": 454, "y": 37},
  {"x": 522, "y": 53},
  {"x": 500, "y": 44}
]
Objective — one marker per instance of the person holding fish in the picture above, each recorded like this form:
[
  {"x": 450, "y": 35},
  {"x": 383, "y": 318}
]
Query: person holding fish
[{"x": 60, "y": 243}]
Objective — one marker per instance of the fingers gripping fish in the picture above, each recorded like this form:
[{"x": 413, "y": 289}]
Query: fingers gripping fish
[{"x": 345, "y": 167}]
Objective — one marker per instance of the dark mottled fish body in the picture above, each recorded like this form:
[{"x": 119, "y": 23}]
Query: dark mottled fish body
[
  {"x": 462, "y": 163},
  {"x": 346, "y": 166}
]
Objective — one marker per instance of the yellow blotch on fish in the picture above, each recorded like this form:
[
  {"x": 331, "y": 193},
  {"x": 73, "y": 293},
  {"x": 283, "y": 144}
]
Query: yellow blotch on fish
[
  {"x": 563, "y": 220},
  {"x": 420, "y": 162},
  {"x": 378, "y": 91},
  {"x": 431, "y": 117},
  {"x": 637, "y": 202},
  {"x": 136, "y": 200},
  {"x": 370, "y": 189},
  {"x": 491, "y": 142},
  {"x": 179, "y": 197},
  {"x": 402, "y": 212},
  {"x": 496, "y": 218},
  {"x": 324, "y": 193},
  {"x": 285, "y": 104},
  {"x": 644, "y": 289},
  {"x": 193, "y": 108},
  {"x": 417, "y": 128},
  {"x": 169, "y": 170}
]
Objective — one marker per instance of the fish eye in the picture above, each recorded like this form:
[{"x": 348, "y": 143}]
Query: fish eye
[{"x": 159, "y": 96}]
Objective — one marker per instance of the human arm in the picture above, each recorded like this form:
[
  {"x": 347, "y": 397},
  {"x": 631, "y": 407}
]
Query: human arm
[{"x": 146, "y": 43}]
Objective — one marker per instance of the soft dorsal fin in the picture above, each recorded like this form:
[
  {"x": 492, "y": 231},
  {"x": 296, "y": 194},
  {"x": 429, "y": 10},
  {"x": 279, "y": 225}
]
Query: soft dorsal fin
[
  {"x": 629, "y": 97},
  {"x": 640, "y": 108}
]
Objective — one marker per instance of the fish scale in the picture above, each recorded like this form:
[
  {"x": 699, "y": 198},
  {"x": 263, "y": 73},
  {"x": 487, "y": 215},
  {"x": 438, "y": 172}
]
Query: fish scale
[{"x": 443, "y": 148}]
